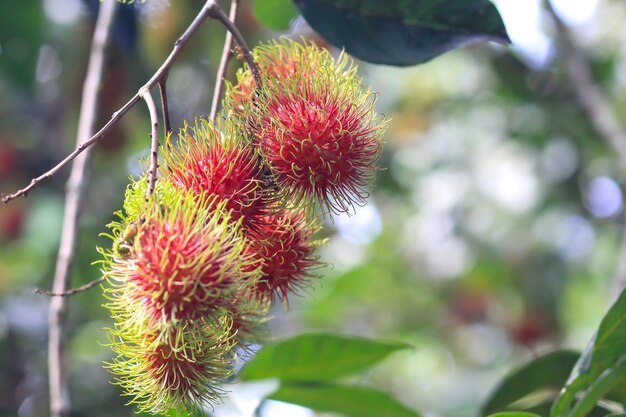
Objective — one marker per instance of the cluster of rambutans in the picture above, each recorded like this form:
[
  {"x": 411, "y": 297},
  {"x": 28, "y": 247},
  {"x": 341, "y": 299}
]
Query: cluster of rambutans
[{"x": 231, "y": 224}]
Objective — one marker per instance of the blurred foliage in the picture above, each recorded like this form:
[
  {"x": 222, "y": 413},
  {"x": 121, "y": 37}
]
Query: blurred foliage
[{"x": 494, "y": 233}]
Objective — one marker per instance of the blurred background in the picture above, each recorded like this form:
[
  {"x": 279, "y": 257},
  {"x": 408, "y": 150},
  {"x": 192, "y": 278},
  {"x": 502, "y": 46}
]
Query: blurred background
[{"x": 494, "y": 232}]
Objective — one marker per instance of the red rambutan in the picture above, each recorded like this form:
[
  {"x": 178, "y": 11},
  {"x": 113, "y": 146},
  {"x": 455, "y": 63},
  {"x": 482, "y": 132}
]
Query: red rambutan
[
  {"x": 178, "y": 368},
  {"x": 319, "y": 145},
  {"x": 222, "y": 166},
  {"x": 183, "y": 263},
  {"x": 314, "y": 124},
  {"x": 284, "y": 247}
]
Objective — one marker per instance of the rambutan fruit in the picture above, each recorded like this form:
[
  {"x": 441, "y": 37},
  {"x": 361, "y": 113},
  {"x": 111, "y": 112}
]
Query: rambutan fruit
[
  {"x": 174, "y": 368},
  {"x": 314, "y": 124},
  {"x": 220, "y": 165},
  {"x": 184, "y": 261},
  {"x": 283, "y": 245}
]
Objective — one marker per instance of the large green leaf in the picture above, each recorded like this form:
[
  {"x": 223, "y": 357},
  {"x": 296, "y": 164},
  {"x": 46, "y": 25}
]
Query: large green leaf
[
  {"x": 546, "y": 372},
  {"x": 403, "y": 32},
  {"x": 275, "y": 14},
  {"x": 604, "y": 352},
  {"x": 317, "y": 357},
  {"x": 350, "y": 401},
  {"x": 514, "y": 414}
]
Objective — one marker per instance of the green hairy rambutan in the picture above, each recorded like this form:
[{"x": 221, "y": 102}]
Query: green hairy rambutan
[
  {"x": 185, "y": 260},
  {"x": 180, "y": 367}
]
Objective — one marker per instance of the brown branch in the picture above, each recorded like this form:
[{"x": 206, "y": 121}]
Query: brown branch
[
  {"x": 590, "y": 97},
  {"x": 59, "y": 397},
  {"x": 208, "y": 10},
  {"x": 154, "y": 137},
  {"x": 218, "y": 14},
  {"x": 167, "y": 125},
  {"x": 226, "y": 55},
  {"x": 597, "y": 108},
  {"x": 72, "y": 291}
]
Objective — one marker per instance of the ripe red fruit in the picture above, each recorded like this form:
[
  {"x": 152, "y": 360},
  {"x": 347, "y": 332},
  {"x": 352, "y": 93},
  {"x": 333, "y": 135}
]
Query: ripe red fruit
[
  {"x": 177, "y": 368},
  {"x": 313, "y": 123},
  {"x": 219, "y": 166},
  {"x": 182, "y": 263},
  {"x": 284, "y": 247},
  {"x": 320, "y": 145}
]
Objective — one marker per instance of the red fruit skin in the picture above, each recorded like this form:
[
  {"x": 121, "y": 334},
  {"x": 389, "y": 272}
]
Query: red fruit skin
[
  {"x": 234, "y": 175},
  {"x": 173, "y": 370},
  {"x": 319, "y": 146},
  {"x": 283, "y": 247},
  {"x": 167, "y": 273}
]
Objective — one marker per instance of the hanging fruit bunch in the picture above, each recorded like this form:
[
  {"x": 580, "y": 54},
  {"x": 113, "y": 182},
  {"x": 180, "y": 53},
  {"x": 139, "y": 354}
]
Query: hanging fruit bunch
[{"x": 231, "y": 225}]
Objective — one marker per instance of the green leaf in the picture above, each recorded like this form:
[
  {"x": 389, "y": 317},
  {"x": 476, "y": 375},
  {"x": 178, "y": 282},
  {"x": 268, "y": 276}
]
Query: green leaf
[
  {"x": 350, "y": 401},
  {"x": 514, "y": 414},
  {"x": 403, "y": 32},
  {"x": 601, "y": 386},
  {"x": 275, "y": 14},
  {"x": 603, "y": 352},
  {"x": 549, "y": 371},
  {"x": 317, "y": 357}
]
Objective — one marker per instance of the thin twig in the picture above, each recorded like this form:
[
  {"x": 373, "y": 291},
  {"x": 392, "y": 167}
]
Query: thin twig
[
  {"x": 72, "y": 291},
  {"x": 165, "y": 109},
  {"x": 226, "y": 55},
  {"x": 154, "y": 137},
  {"x": 590, "y": 97},
  {"x": 59, "y": 396},
  {"x": 218, "y": 14},
  {"x": 207, "y": 11}
]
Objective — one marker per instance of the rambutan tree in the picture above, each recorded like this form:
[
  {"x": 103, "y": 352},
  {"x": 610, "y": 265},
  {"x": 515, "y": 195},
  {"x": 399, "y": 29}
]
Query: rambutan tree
[{"x": 227, "y": 216}]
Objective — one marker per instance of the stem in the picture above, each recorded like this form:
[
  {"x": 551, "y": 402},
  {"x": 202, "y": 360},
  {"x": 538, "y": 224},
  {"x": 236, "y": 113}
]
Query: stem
[
  {"x": 167, "y": 126},
  {"x": 590, "y": 97},
  {"x": 218, "y": 14},
  {"x": 596, "y": 107},
  {"x": 73, "y": 290},
  {"x": 154, "y": 137},
  {"x": 226, "y": 55},
  {"x": 59, "y": 397},
  {"x": 207, "y": 11}
]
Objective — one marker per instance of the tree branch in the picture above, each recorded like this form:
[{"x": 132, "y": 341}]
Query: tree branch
[
  {"x": 73, "y": 291},
  {"x": 167, "y": 126},
  {"x": 59, "y": 397},
  {"x": 154, "y": 137},
  {"x": 590, "y": 97},
  {"x": 208, "y": 10},
  {"x": 597, "y": 108},
  {"x": 226, "y": 55},
  {"x": 218, "y": 14}
]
